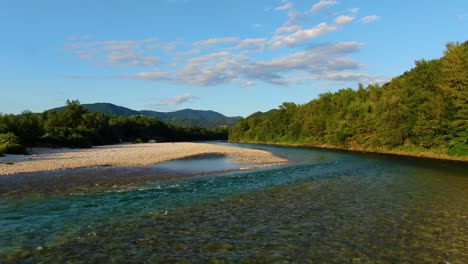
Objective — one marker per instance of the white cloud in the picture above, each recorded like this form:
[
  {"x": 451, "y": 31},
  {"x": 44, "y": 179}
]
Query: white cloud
[
  {"x": 304, "y": 34},
  {"x": 121, "y": 45},
  {"x": 324, "y": 58},
  {"x": 343, "y": 20},
  {"x": 224, "y": 67},
  {"x": 216, "y": 41},
  {"x": 243, "y": 61},
  {"x": 368, "y": 19},
  {"x": 286, "y": 6},
  {"x": 288, "y": 27},
  {"x": 356, "y": 77},
  {"x": 253, "y": 43},
  {"x": 117, "y": 52},
  {"x": 248, "y": 83},
  {"x": 354, "y": 10},
  {"x": 181, "y": 99},
  {"x": 322, "y": 4},
  {"x": 188, "y": 52},
  {"x": 212, "y": 69},
  {"x": 323, "y": 62},
  {"x": 167, "y": 47},
  {"x": 115, "y": 58},
  {"x": 153, "y": 76},
  {"x": 171, "y": 104},
  {"x": 258, "y": 25}
]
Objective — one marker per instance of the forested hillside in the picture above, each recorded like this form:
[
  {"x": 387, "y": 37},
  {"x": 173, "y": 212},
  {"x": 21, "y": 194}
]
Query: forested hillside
[
  {"x": 423, "y": 110},
  {"x": 184, "y": 118},
  {"x": 75, "y": 126}
]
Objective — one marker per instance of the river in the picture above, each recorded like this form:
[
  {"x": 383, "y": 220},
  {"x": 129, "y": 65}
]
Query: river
[{"x": 324, "y": 206}]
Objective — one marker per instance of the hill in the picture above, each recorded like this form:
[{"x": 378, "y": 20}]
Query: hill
[
  {"x": 186, "y": 117},
  {"x": 424, "y": 111}
]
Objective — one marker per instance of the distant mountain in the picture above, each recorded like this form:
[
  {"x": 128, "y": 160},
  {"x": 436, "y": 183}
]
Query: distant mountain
[{"x": 186, "y": 117}]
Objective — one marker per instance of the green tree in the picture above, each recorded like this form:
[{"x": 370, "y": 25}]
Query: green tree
[
  {"x": 455, "y": 74},
  {"x": 10, "y": 144},
  {"x": 32, "y": 128},
  {"x": 73, "y": 114}
]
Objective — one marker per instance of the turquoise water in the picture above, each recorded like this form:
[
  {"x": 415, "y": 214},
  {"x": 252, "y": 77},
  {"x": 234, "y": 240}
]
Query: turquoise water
[
  {"x": 200, "y": 164},
  {"x": 326, "y": 206}
]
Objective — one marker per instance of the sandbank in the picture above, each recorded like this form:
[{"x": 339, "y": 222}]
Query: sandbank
[{"x": 128, "y": 155}]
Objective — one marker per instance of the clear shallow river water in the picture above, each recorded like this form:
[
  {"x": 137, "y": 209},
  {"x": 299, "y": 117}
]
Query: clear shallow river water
[{"x": 326, "y": 206}]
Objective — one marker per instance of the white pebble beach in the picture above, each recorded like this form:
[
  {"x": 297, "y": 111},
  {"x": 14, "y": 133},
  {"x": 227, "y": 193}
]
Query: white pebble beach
[{"x": 126, "y": 155}]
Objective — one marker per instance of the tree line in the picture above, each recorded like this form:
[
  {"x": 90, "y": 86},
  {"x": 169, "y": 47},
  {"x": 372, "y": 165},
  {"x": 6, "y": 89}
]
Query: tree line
[
  {"x": 424, "y": 109},
  {"x": 76, "y": 127}
]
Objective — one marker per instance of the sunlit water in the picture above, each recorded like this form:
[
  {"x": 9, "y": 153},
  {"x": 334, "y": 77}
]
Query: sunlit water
[
  {"x": 326, "y": 206},
  {"x": 200, "y": 164}
]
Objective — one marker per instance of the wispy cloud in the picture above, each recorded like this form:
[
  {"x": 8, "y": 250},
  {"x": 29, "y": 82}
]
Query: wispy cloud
[
  {"x": 316, "y": 31},
  {"x": 185, "y": 98},
  {"x": 368, "y": 19},
  {"x": 167, "y": 47},
  {"x": 212, "y": 69},
  {"x": 328, "y": 61},
  {"x": 354, "y": 10},
  {"x": 215, "y": 41},
  {"x": 285, "y": 56},
  {"x": 248, "y": 83},
  {"x": 171, "y": 104},
  {"x": 288, "y": 27},
  {"x": 286, "y": 6},
  {"x": 343, "y": 20},
  {"x": 322, "y": 4},
  {"x": 153, "y": 76},
  {"x": 188, "y": 52},
  {"x": 118, "y": 52},
  {"x": 313, "y": 62},
  {"x": 254, "y": 43}
]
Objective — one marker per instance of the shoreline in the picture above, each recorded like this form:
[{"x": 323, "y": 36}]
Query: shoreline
[
  {"x": 129, "y": 155},
  {"x": 402, "y": 153}
]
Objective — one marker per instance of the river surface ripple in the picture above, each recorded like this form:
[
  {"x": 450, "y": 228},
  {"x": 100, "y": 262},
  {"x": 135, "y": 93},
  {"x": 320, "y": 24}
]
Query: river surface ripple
[{"x": 325, "y": 206}]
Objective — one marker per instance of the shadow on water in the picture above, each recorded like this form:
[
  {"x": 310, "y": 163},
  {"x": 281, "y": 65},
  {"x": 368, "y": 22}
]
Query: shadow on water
[{"x": 326, "y": 207}]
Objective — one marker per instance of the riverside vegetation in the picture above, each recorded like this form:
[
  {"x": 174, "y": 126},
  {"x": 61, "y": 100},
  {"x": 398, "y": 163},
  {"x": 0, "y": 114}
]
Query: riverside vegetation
[
  {"x": 423, "y": 111},
  {"x": 76, "y": 127}
]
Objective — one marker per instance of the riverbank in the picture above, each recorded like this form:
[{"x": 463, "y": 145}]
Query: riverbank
[
  {"x": 417, "y": 153},
  {"x": 128, "y": 155}
]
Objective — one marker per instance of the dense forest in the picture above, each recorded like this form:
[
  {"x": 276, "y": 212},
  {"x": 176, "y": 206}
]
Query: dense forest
[
  {"x": 423, "y": 110},
  {"x": 76, "y": 127}
]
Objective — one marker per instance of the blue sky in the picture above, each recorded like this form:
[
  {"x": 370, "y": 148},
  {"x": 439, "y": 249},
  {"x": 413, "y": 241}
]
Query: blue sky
[{"x": 234, "y": 57}]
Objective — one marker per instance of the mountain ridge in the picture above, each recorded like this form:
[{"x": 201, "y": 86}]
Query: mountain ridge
[{"x": 186, "y": 117}]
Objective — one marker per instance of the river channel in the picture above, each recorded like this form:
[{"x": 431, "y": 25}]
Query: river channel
[{"x": 323, "y": 207}]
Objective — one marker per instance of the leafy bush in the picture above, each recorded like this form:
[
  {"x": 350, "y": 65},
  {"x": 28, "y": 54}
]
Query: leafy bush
[
  {"x": 458, "y": 147},
  {"x": 67, "y": 137},
  {"x": 77, "y": 140},
  {"x": 10, "y": 144},
  {"x": 53, "y": 140}
]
